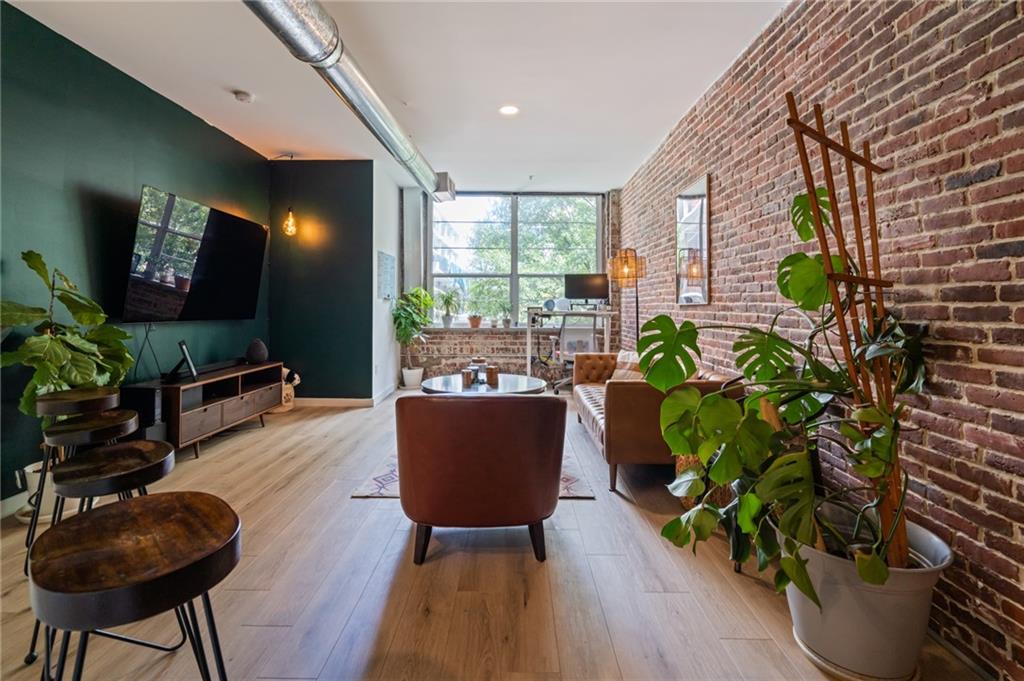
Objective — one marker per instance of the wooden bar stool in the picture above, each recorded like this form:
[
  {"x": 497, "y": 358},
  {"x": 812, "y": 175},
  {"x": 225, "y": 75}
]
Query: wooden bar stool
[
  {"x": 63, "y": 403},
  {"x": 125, "y": 562}
]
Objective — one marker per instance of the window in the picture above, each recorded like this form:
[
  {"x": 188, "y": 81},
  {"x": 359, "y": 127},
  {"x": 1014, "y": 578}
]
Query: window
[{"x": 506, "y": 252}]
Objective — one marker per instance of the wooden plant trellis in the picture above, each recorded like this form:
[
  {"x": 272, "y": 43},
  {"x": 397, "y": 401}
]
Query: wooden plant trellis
[{"x": 871, "y": 379}]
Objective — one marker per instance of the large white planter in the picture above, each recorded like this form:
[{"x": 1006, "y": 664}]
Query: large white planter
[
  {"x": 412, "y": 378},
  {"x": 865, "y": 631}
]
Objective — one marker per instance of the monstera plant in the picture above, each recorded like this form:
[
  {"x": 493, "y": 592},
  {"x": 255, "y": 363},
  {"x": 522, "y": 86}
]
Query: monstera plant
[
  {"x": 81, "y": 352},
  {"x": 796, "y": 399}
]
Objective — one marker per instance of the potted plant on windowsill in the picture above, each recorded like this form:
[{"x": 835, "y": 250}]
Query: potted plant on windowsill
[
  {"x": 449, "y": 302},
  {"x": 474, "y": 320},
  {"x": 506, "y": 315},
  {"x": 411, "y": 315},
  {"x": 857, "y": 575}
]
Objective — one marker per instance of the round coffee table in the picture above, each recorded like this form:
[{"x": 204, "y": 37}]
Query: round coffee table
[{"x": 510, "y": 384}]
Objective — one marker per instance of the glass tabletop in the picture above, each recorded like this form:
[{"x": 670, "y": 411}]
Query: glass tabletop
[{"x": 512, "y": 384}]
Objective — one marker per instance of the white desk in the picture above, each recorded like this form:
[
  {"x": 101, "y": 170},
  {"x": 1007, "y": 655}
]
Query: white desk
[{"x": 605, "y": 327}]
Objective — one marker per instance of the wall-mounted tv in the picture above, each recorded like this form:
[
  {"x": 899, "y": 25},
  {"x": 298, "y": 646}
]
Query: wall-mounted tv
[{"x": 192, "y": 262}]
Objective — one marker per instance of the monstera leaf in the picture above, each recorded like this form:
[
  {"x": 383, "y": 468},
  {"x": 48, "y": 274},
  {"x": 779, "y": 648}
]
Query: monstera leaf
[
  {"x": 667, "y": 352},
  {"x": 802, "y": 215},
  {"x": 789, "y": 483},
  {"x": 802, "y": 279},
  {"x": 762, "y": 355},
  {"x": 677, "y": 412}
]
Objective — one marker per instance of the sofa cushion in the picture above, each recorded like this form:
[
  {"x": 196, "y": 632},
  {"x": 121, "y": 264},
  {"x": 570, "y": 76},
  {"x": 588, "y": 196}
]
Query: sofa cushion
[
  {"x": 627, "y": 367},
  {"x": 590, "y": 407}
]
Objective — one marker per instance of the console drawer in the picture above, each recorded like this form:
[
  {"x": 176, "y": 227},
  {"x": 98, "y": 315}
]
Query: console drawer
[
  {"x": 267, "y": 398},
  {"x": 200, "y": 422},
  {"x": 239, "y": 408}
]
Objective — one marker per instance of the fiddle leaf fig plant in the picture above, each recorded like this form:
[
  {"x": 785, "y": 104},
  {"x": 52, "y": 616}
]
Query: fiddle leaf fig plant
[
  {"x": 760, "y": 434},
  {"x": 85, "y": 352},
  {"x": 410, "y": 316}
]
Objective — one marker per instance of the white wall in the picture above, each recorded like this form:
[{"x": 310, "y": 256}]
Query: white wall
[{"x": 386, "y": 237}]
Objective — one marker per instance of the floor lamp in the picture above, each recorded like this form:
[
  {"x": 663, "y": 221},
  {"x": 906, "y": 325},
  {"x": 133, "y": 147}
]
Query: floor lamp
[{"x": 626, "y": 268}]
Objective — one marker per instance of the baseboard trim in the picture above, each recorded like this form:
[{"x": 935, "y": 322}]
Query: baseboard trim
[
  {"x": 344, "y": 402},
  {"x": 384, "y": 394},
  {"x": 10, "y": 505}
]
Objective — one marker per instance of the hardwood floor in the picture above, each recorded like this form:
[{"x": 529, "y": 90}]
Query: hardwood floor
[{"x": 327, "y": 589}]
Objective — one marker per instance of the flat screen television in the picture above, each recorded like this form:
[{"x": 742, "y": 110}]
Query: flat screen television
[
  {"x": 586, "y": 286},
  {"x": 192, "y": 262}
]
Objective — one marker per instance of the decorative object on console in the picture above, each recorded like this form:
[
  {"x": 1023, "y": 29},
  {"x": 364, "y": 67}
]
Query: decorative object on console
[
  {"x": 85, "y": 353},
  {"x": 411, "y": 315},
  {"x": 257, "y": 352},
  {"x": 626, "y": 269},
  {"x": 186, "y": 361},
  {"x": 289, "y": 379},
  {"x": 847, "y": 542}
]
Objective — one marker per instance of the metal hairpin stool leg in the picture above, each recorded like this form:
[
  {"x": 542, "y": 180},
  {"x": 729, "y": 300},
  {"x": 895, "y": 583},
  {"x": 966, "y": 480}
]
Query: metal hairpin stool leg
[{"x": 200, "y": 540}]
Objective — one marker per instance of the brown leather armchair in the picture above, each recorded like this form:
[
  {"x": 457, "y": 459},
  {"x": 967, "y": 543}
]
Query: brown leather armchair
[
  {"x": 623, "y": 417},
  {"x": 479, "y": 461}
]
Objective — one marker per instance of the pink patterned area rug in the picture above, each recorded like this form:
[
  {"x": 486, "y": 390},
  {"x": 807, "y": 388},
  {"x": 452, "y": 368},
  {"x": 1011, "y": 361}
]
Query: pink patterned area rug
[{"x": 384, "y": 481}]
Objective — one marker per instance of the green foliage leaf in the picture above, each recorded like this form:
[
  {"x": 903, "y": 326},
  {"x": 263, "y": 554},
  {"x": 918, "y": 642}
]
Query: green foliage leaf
[
  {"x": 36, "y": 264},
  {"x": 107, "y": 335},
  {"x": 689, "y": 482},
  {"x": 801, "y": 278},
  {"x": 83, "y": 309},
  {"x": 703, "y": 520},
  {"x": 15, "y": 314},
  {"x": 801, "y": 215},
  {"x": 748, "y": 508},
  {"x": 667, "y": 351},
  {"x": 47, "y": 349},
  {"x": 762, "y": 356},
  {"x": 871, "y": 568},
  {"x": 676, "y": 415},
  {"x": 789, "y": 483},
  {"x": 78, "y": 370},
  {"x": 76, "y": 342},
  {"x": 795, "y": 568},
  {"x": 781, "y": 581},
  {"x": 67, "y": 283},
  {"x": 677, "y": 532}
]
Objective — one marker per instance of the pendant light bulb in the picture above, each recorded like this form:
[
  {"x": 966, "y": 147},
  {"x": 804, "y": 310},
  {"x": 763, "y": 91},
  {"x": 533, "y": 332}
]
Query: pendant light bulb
[{"x": 289, "y": 223}]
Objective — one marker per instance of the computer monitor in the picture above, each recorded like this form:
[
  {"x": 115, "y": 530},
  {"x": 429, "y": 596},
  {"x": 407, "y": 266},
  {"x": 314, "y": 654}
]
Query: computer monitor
[{"x": 586, "y": 286}]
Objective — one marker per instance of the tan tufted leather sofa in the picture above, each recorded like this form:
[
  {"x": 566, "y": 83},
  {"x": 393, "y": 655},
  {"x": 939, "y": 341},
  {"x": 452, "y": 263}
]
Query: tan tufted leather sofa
[{"x": 623, "y": 416}]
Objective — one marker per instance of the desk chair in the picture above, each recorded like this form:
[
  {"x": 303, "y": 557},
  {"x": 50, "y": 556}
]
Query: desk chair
[{"x": 573, "y": 339}]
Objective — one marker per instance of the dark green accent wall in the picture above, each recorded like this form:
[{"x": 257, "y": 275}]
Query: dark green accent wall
[
  {"x": 78, "y": 139},
  {"x": 321, "y": 290}
]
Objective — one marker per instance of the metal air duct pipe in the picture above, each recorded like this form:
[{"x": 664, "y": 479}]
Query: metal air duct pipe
[{"x": 311, "y": 34}]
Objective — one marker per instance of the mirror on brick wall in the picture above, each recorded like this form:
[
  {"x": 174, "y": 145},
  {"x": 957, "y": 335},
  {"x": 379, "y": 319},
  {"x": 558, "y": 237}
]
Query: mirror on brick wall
[{"x": 693, "y": 258}]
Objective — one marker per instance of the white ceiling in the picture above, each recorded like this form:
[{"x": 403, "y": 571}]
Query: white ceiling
[{"x": 599, "y": 85}]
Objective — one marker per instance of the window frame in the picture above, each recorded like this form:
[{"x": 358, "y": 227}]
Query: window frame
[{"x": 514, "y": 275}]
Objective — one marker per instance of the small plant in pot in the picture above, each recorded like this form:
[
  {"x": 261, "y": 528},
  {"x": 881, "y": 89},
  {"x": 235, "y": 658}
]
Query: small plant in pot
[
  {"x": 411, "y": 315},
  {"x": 506, "y": 315},
  {"x": 857, "y": 575},
  {"x": 474, "y": 320},
  {"x": 449, "y": 302}
]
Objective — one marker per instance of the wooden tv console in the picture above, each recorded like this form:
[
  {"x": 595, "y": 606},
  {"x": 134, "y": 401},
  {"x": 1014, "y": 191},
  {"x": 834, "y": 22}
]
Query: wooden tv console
[{"x": 218, "y": 400}]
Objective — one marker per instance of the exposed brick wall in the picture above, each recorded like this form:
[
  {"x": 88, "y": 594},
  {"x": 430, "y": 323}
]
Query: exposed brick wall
[
  {"x": 448, "y": 351},
  {"x": 937, "y": 88}
]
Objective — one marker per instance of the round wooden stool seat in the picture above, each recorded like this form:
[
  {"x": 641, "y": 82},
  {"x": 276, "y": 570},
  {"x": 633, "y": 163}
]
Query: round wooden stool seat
[
  {"x": 77, "y": 401},
  {"x": 113, "y": 468},
  {"x": 90, "y": 429},
  {"x": 127, "y": 561}
]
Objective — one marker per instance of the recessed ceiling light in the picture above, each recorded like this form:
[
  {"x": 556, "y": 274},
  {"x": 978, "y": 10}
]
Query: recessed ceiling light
[{"x": 509, "y": 110}]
